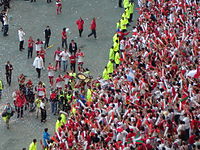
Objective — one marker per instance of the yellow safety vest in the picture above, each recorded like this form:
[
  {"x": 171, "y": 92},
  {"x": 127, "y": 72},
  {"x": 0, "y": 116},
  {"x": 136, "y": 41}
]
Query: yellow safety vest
[
  {"x": 111, "y": 54},
  {"x": 117, "y": 58},
  {"x": 63, "y": 120},
  {"x": 58, "y": 124},
  {"x": 1, "y": 85},
  {"x": 33, "y": 146},
  {"x": 110, "y": 67},
  {"x": 105, "y": 74},
  {"x": 89, "y": 95},
  {"x": 38, "y": 101}
]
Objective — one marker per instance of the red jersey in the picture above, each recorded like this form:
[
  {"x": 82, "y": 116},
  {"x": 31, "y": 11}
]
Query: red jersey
[
  {"x": 42, "y": 53},
  {"x": 80, "y": 23},
  {"x": 64, "y": 35},
  {"x": 30, "y": 43},
  {"x": 93, "y": 25},
  {"x": 72, "y": 59}
]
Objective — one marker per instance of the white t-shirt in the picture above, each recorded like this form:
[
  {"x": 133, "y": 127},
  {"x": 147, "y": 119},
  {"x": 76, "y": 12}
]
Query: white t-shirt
[
  {"x": 64, "y": 56},
  {"x": 21, "y": 35}
]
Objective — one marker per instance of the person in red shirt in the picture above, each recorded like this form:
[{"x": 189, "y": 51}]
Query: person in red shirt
[
  {"x": 57, "y": 58},
  {"x": 80, "y": 23},
  {"x": 59, "y": 7},
  {"x": 93, "y": 28},
  {"x": 20, "y": 102},
  {"x": 64, "y": 38},
  {"x": 30, "y": 47},
  {"x": 80, "y": 56},
  {"x": 73, "y": 62}
]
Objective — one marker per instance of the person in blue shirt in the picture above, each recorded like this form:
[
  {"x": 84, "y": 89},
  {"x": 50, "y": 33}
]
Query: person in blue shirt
[{"x": 46, "y": 137}]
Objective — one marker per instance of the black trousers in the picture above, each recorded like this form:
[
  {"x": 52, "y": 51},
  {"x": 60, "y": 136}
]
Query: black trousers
[
  {"x": 43, "y": 115},
  {"x": 73, "y": 67},
  {"x": 93, "y": 33},
  {"x": 80, "y": 32},
  {"x": 39, "y": 72},
  {"x": 5, "y": 30},
  {"x": 8, "y": 78},
  {"x": 131, "y": 17},
  {"x": 120, "y": 3},
  {"x": 30, "y": 52},
  {"x": 20, "y": 111},
  {"x": 64, "y": 43},
  {"x": 46, "y": 42},
  {"x": 21, "y": 45}
]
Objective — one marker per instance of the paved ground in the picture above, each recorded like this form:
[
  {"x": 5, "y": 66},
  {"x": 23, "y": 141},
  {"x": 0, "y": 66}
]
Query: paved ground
[{"x": 34, "y": 17}]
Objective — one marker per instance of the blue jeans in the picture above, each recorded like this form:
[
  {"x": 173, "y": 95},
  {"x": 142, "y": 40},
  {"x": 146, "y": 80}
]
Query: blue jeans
[
  {"x": 64, "y": 63},
  {"x": 53, "y": 107}
]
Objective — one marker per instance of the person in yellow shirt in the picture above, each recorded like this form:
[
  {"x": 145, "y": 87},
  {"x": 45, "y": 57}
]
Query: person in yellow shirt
[
  {"x": 89, "y": 95},
  {"x": 126, "y": 3},
  {"x": 38, "y": 102},
  {"x": 116, "y": 46},
  {"x": 105, "y": 75},
  {"x": 131, "y": 7},
  {"x": 1, "y": 88},
  {"x": 111, "y": 54},
  {"x": 59, "y": 123},
  {"x": 33, "y": 145},
  {"x": 117, "y": 59},
  {"x": 63, "y": 118},
  {"x": 110, "y": 66}
]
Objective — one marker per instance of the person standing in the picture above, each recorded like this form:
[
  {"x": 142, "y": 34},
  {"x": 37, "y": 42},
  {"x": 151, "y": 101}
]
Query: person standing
[
  {"x": 30, "y": 47},
  {"x": 80, "y": 23},
  {"x": 5, "y": 25},
  {"x": 42, "y": 54},
  {"x": 8, "y": 68},
  {"x": 80, "y": 56},
  {"x": 38, "y": 64},
  {"x": 1, "y": 88},
  {"x": 64, "y": 38},
  {"x": 46, "y": 137},
  {"x": 51, "y": 70},
  {"x": 64, "y": 57},
  {"x": 59, "y": 7},
  {"x": 47, "y": 34},
  {"x": 38, "y": 45},
  {"x": 43, "y": 111},
  {"x": 73, "y": 47},
  {"x": 93, "y": 28},
  {"x": 20, "y": 102},
  {"x": 57, "y": 58},
  {"x": 33, "y": 145},
  {"x": 1, "y": 18},
  {"x": 21, "y": 35},
  {"x": 48, "y": 1},
  {"x": 73, "y": 62},
  {"x": 7, "y": 114}
]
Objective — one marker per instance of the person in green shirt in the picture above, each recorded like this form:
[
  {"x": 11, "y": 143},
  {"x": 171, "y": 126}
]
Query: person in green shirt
[
  {"x": 126, "y": 3},
  {"x": 116, "y": 46},
  {"x": 33, "y": 145},
  {"x": 63, "y": 118},
  {"x": 37, "y": 102}
]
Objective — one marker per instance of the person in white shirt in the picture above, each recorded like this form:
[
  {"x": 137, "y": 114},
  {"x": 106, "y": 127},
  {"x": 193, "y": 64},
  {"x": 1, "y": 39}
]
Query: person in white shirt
[
  {"x": 21, "y": 35},
  {"x": 5, "y": 25},
  {"x": 64, "y": 58},
  {"x": 38, "y": 64}
]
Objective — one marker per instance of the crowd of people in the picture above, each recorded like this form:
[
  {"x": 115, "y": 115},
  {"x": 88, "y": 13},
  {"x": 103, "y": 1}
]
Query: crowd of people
[{"x": 148, "y": 95}]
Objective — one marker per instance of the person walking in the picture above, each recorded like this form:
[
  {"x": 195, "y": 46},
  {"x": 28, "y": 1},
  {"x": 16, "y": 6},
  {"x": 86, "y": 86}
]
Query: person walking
[
  {"x": 30, "y": 47},
  {"x": 73, "y": 47},
  {"x": 1, "y": 88},
  {"x": 5, "y": 25},
  {"x": 64, "y": 58},
  {"x": 80, "y": 23},
  {"x": 8, "y": 68},
  {"x": 38, "y": 64},
  {"x": 8, "y": 112},
  {"x": 1, "y": 18},
  {"x": 58, "y": 7},
  {"x": 93, "y": 28},
  {"x": 37, "y": 103},
  {"x": 43, "y": 111},
  {"x": 64, "y": 38},
  {"x": 51, "y": 70},
  {"x": 46, "y": 137},
  {"x": 21, "y": 35},
  {"x": 38, "y": 45},
  {"x": 47, "y": 34},
  {"x": 33, "y": 145}
]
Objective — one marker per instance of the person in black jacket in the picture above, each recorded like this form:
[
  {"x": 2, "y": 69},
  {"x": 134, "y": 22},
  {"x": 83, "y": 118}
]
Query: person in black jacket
[
  {"x": 73, "y": 47},
  {"x": 8, "y": 68},
  {"x": 47, "y": 33}
]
